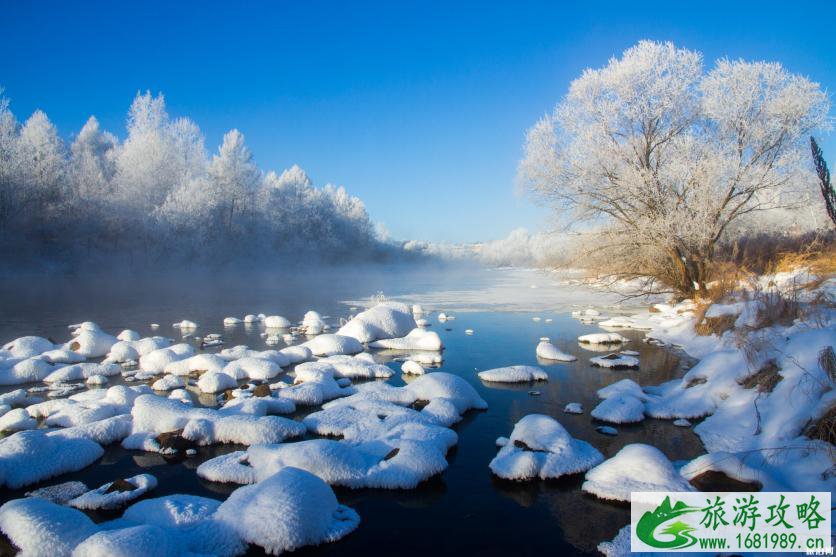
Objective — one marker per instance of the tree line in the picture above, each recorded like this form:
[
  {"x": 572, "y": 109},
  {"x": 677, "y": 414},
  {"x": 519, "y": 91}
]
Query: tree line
[{"x": 157, "y": 195}]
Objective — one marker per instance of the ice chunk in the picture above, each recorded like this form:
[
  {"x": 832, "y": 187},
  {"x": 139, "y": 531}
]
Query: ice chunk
[
  {"x": 514, "y": 374},
  {"x": 635, "y": 467},
  {"x": 289, "y": 510},
  {"x": 540, "y": 447}
]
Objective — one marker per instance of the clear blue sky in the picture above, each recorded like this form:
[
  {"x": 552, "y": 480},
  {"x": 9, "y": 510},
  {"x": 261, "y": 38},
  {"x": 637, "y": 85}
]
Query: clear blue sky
[{"x": 417, "y": 107}]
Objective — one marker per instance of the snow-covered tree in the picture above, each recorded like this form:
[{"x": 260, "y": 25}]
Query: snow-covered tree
[
  {"x": 41, "y": 157},
  {"x": 664, "y": 158},
  {"x": 234, "y": 179}
]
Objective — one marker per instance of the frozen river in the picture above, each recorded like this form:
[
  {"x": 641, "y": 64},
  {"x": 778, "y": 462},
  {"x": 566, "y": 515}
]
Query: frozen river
[{"x": 465, "y": 509}]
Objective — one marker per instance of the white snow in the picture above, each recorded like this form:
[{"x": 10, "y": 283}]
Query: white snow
[
  {"x": 77, "y": 372},
  {"x": 333, "y": 345},
  {"x": 411, "y": 367},
  {"x": 417, "y": 339},
  {"x": 573, "y": 408},
  {"x": 386, "y": 320},
  {"x": 548, "y": 351},
  {"x": 92, "y": 343},
  {"x": 17, "y": 420},
  {"x": 615, "y": 361},
  {"x": 635, "y": 467},
  {"x": 539, "y": 446},
  {"x": 602, "y": 338},
  {"x": 99, "y": 498},
  {"x": 168, "y": 383},
  {"x": 288, "y": 510},
  {"x": 514, "y": 374},
  {"x": 41, "y": 528},
  {"x": 619, "y": 409},
  {"x": 277, "y": 322}
]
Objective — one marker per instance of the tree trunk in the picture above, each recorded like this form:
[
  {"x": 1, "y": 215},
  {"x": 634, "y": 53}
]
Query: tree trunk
[{"x": 690, "y": 272}]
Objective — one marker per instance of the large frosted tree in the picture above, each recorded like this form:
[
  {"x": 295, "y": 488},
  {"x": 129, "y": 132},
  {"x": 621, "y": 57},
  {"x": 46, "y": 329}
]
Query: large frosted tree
[{"x": 661, "y": 158}]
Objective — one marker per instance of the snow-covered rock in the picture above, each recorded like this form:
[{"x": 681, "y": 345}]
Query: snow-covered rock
[
  {"x": 615, "y": 361},
  {"x": 78, "y": 372},
  {"x": 92, "y": 344},
  {"x": 573, "y": 408},
  {"x": 602, "y": 338},
  {"x": 333, "y": 345},
  {"x": 417, "y": 339},
  {"x": 619, "y": 409},
  {"x": 277, "y": 322},
  {"x": 168, "y": 383},
  {"x": 42, "y": 528},
  {"x": 635, "y": 467},
  {"x": 411, "y": 367},
  {"x": 105, "y": 498},
  {"x": 386, "y": 320},
  {"x": 286, "y": 511},
  {"x": 540, "y": 447},
  {"x": 548, "y": 351},
  {"x": 514, "y": 374}
]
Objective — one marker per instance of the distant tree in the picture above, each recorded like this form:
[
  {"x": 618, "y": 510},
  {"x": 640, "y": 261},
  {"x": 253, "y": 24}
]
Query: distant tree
[
  {"x": 41, "y": 155},
  {"x": 235, "y": 178},
  {"x": 661, "y": 159},
  {"x": 824, "y": 180}
]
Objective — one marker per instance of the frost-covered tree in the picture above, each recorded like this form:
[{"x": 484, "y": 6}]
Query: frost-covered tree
[
  {"x": 234, "y": 179},
  {"x": 663, "y": 158},
  {"x": 157, "y": 196},
  {"x": 41, "y": 155}
]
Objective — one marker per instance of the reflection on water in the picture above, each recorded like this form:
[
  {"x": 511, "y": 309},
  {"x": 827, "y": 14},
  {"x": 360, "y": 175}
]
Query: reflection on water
[{"x": 465, "y": 509}]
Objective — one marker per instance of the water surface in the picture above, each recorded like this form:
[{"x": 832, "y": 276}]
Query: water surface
[{"x": 465, "y": 509}]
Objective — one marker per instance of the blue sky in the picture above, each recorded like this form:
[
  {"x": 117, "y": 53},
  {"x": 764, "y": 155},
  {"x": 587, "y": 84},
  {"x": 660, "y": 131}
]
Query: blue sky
[{"x": 418, "y": 107}]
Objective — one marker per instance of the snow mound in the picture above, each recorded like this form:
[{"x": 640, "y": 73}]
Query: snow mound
[
  {"x": 411, "y": 367},
  {"x": 15, "y": 372},
  {"x": 417, "y": 339},
  {"x": 514, "y": 374},
  {"x": 356, "y": 367},
  {"x": 103, "y": 498},
  {"x": 602, "y": 338},
  {"x": 42, "y": 528},
  {"x": 77, "y": 372},
  {"x": 540, "y": 447},
  {"x": 635, "y": 467},
  {"x": 277, "y": 322},
  {"x": 384, "y": 321},
  {"x": 26, "y": 347},
  {"x": 157, "y": 360},
  {"x": 399, "y": 464},
  {"x": 333, "y": 345},
  {"x": 615, "y": 361},
  {"x": 31, "y": 456},
  {"x": 215, "y": 382},
  {"x": 619, "y": 409},
  {"x": 153, "y": 415},
  {"x": 198, "y": 363},
  {"x": 92, "y": 343},
  {"x": 288, "y": 510},
  {"x": 548, "y": 351},
  {"x": 573, "y": 408}
]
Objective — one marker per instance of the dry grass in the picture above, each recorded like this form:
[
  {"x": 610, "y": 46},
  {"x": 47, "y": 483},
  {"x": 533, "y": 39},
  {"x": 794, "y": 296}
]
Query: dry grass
[
  {"x": 824, "y": 428},
  {"x": 764, "y": 379},
  {"x": 827, "y": 361},
  {"x": 707, "y": 326}
]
